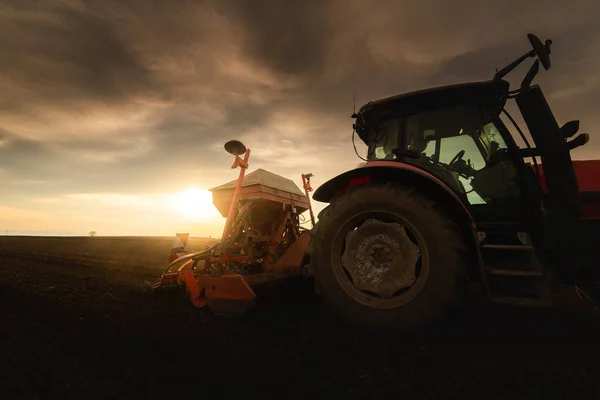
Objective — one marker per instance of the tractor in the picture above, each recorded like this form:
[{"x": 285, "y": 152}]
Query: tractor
[{"x": 445, "y": 197}]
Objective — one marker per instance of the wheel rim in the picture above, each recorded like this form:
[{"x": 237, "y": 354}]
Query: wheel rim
[{"x": 380, "y": 260}]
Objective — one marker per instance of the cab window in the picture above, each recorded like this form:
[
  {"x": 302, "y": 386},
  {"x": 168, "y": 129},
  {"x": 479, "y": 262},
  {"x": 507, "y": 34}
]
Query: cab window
[
  {"x": 384, "y": 139},
  {"x": 455, "y": 144}
]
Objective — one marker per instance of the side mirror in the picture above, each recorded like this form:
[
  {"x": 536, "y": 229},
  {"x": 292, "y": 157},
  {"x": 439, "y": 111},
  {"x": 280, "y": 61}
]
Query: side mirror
[
  {"x": 541, "y": 50},
  {"x": 580, "y": 140},
  {"x": 569, "y": 129}
]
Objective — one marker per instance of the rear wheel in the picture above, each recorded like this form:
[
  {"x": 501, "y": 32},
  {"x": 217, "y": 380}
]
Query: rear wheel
[{"x": 387, "y": 256}]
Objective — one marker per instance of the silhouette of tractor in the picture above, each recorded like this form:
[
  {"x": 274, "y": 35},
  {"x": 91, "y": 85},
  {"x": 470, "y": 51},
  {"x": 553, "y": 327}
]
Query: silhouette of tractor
[{"x": 445, "y": 196}]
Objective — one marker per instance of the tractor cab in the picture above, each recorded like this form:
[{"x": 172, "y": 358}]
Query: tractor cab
[
  {"x": 458, "y": 142},
  {"x": 455, "y": 133}
]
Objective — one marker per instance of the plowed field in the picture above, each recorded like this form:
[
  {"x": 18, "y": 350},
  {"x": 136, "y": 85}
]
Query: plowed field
[{"x": 75, "y": 328}]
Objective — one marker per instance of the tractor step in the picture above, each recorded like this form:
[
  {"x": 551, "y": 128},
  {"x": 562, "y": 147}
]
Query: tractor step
[{"x": 511, "y": 271}]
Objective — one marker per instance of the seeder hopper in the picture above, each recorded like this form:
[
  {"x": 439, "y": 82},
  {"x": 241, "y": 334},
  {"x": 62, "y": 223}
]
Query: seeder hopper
[{"x": 263, "y": 240}]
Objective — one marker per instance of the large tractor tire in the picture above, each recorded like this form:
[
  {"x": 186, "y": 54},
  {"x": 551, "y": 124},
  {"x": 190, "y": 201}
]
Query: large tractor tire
[{"x": 386, "y": 256}]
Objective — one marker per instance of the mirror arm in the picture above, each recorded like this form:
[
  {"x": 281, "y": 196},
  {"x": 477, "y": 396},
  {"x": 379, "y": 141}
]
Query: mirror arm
[
  {"x": 504, "y": 71},
  {"x": 530, "y": 75}
]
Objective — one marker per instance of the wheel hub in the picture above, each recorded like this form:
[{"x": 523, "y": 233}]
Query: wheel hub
[{"x": 380, "y": 258}]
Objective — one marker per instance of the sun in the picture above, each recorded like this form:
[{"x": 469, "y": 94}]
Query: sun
[{"x": 195, "y": 204}]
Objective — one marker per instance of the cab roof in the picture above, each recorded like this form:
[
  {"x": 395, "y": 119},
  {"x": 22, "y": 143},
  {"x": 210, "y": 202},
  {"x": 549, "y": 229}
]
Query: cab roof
[{"x": 491, "y": 93}]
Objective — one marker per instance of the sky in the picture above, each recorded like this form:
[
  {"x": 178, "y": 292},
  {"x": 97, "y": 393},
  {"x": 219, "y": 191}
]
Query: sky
[{"x": 111, "y": 111}]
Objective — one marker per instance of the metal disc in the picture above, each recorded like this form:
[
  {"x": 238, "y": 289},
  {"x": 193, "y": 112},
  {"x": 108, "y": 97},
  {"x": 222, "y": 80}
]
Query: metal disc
[{"x": 235, "y": 147}]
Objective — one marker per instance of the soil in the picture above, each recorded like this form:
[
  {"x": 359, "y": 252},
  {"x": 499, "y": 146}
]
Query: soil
[{"x": 76, "y": 330}]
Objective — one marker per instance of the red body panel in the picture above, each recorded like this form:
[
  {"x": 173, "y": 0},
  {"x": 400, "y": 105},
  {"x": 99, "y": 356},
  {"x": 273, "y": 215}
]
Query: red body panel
[{"x": 588, "y": 179}]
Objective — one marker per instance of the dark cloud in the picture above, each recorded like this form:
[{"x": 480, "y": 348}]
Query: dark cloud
[
  {"x": 287, "y": 37},
  {"x": 52, "y": 55}
]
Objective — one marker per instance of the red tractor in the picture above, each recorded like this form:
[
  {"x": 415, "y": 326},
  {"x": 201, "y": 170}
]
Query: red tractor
[{"x": 445, "y": 196}]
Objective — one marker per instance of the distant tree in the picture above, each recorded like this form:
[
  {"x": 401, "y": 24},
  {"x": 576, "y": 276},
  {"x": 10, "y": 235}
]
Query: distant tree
[{"x": 92, "y": 233}]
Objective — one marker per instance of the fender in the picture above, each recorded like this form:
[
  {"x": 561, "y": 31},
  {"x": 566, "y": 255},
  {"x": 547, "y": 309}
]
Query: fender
[{"x": 386, "y": 171}]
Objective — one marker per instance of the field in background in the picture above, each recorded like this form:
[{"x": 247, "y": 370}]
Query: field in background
[{"x": 116, "y": 251}]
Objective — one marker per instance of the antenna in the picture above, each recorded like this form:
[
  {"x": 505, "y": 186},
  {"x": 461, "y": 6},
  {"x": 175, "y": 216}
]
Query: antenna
[{"x": 354, "y": 106}]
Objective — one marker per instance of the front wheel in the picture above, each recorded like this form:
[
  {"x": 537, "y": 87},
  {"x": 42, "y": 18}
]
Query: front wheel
[{"x": 387, "y": 256}]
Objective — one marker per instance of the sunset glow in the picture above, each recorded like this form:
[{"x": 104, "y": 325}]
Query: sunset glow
[{"x": 195, "y": 204}]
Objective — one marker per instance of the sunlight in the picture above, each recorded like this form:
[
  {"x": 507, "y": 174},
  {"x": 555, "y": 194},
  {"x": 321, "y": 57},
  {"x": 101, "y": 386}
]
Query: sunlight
[{"x": 195, "y": 204}]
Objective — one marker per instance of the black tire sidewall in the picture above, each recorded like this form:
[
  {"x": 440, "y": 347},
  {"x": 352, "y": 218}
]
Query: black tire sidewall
[{"x": 439, "y": 288}]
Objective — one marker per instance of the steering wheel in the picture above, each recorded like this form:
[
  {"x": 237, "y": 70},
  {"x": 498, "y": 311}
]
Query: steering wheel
[
  {"x": 459, "y": 165},
  {"x": 457, "y": 158}
]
